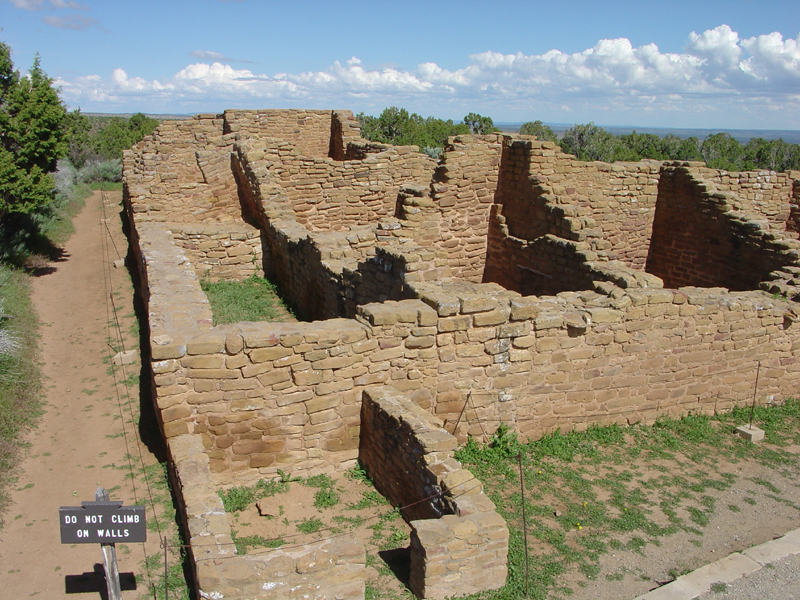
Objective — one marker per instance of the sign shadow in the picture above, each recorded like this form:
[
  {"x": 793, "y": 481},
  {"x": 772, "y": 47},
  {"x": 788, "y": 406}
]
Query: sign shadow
[{"x": 95, "y": 581}]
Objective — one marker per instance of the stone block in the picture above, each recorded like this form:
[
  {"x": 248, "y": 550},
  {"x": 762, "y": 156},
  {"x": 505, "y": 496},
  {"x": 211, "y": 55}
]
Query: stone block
[
  {"x": 261, "y": 355},
  {"x": 751, "y": 434},
  {"x": 206, "y": 344}
]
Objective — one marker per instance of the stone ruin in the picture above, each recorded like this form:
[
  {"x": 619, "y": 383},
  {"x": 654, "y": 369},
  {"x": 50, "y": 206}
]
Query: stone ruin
[{"x": 506, "y": 283}]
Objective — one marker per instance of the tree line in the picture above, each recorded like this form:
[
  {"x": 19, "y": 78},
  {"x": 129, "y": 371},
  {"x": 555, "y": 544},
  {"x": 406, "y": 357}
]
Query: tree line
[
  {"x": 397, "y": 127},
  {"x": 588, "y": 142},
  {"x": 718, "y": 150}
]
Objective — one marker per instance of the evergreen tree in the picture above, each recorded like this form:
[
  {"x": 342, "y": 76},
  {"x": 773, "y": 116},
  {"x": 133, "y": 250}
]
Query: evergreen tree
[
  {"x": 540, "y": 130},
  {"x": 589, "y": 142},
  {"x": 31, "y": 136}
]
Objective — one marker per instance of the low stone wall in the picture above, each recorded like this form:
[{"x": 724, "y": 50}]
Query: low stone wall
[
  {"x": 459, "y": 543},
  {"x": 264, "y": 395},
  {"x": 332, "y": 568},
  {"x": 220, "y": 252}
]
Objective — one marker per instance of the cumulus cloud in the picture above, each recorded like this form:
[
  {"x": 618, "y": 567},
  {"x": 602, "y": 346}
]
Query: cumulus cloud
[
  {"x": 717, "y": 71},
  {"x": 74, "y": 22}
]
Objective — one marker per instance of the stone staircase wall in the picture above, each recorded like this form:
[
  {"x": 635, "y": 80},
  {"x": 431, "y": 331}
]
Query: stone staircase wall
[
  {"x": 704, "y": 236},
  {"x": 459, "y": 543}
]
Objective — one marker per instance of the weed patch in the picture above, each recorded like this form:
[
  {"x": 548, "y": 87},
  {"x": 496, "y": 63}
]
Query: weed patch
[
  {"x": 617, "y": 489},
  {"x": 254, "y": 299}
]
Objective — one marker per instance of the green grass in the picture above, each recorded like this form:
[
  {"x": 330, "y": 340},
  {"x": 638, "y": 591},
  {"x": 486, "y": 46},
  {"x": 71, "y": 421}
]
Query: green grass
[
  {"x": 254, "y": 299},
  {"x": 311, "y": 525},
  {"x": 20, "y": 384},
  {"x": 615, "y": 489},
  {"x": 109, "y": 186}
]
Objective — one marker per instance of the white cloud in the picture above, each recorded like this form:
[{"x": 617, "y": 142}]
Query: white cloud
[
  {"x": 38, "y": 4},
  {"x": 217, "y": 57},
  {"x": 74, "y": 22},
  {"x": 718, "y": 73},
  {"x": 68, "y": 4}
]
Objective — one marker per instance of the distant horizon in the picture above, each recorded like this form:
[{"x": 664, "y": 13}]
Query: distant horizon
[{"x": 741, "y": 135}]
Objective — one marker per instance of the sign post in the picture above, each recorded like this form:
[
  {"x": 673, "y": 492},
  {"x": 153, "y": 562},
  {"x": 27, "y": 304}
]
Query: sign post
[{"x": 105, "y": 522}]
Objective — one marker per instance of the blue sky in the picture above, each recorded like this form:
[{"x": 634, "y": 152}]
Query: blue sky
[{"x": 703, "y": 63}]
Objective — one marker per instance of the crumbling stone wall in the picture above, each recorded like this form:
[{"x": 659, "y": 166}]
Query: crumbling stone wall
[
  {"x": 702, "y": 237},
  {"x": 182, "y": 173},
  {"x": 459, "y": 543},
  {"x": 463, "y": 191},
  {"x": 329, "y": 195},
  {"x": 331, "y": 568},
  {"x": 382, "y": 238},
  {"x": 610, "y": 206},
  {"x": 758, "y": 192}
]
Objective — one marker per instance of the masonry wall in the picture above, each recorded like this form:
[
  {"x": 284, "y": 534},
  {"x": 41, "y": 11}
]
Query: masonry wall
[
  {"x": 607, "y": 345},
  {"x": 759, "y": 192},
  {"x": 309, "y": 131},
  {"x": 701, "y": 239},
  {"x": 328, "y": 195},
  {"x": 610, "y": 206},
  {"x": 459, "y": 543},
  {"x": 463, "y": 191},
  {"x": 182, "y": 173},
  {"x": 332, "y": 568},
  {"x": 217, "y": 252}
]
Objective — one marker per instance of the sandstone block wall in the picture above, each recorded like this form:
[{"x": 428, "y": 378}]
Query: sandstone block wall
[
  {"x": 357, "y": 229},
  {"x": 182, "y": 173},
  {"x": 760, "y": 192},
  {"x": 702, "y": 237},
  {"x": 610, "y": 206},
  {"x": 219, "y": 252},
  {"x": 309, "y": 131},
  {"x": 459, "y": 543},
  {"x": 329, "y": 195},
  {"x": 326, "y": 569},
  {"x": 463, "y": 190}
]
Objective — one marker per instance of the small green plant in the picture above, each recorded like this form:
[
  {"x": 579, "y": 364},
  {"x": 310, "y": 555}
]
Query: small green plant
[
  {"x": 243, "y": 544},
  {"x": 325, "y": 498},
  {"x": 368, "y": 499},
  {"x": 719, "y": 587},
  {"x": 238, "y": 498},
  {"x": 358, "y": 473},
  {"x": 286, "y": 477},
  {"x": 311, "y": 525},
  {"x": 319, "y": 481}
]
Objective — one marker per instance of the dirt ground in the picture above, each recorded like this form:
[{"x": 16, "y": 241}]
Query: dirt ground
[
  {"x": 763, "y": 504},
  {"x": 87, "y": 436}
]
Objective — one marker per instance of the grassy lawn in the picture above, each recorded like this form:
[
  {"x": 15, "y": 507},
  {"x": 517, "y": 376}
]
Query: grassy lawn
[
  {"x": 20, "y": 399},
  {"x": 254, "y": 299},
  {"x": 613, "y": 488}
]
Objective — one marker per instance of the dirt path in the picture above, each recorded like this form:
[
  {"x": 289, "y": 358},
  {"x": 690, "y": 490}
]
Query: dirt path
[{"x": 87, "y": 436}]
